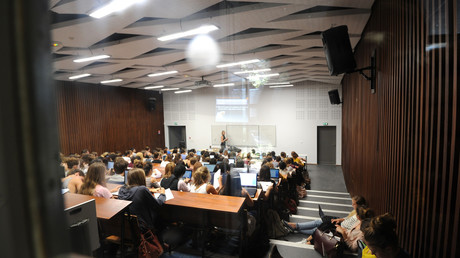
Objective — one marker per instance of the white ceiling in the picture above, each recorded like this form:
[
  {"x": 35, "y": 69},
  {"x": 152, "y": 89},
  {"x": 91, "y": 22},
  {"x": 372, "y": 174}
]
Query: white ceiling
[{"x": 282, "y": 33}]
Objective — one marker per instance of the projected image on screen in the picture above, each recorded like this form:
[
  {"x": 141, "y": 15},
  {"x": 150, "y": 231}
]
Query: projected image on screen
[{"x": 231, "y": 110}]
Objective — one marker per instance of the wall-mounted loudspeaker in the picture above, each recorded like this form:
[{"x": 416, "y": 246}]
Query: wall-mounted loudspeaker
[
  {"x": 152, "y": 104},
  {"x": 339, "y": 54},
  {"x": 334, "y": 97}
]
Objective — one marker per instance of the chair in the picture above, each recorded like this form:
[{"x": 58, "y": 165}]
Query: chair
[
  {"x": 113, "y": 231},
  {"x": 82, "y": 223}
]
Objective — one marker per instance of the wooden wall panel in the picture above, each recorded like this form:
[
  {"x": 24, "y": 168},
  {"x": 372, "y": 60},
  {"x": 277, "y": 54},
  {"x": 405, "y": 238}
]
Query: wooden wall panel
[
  {"x": 104, "y": 118},
  {"x": 401, "y": 145}
]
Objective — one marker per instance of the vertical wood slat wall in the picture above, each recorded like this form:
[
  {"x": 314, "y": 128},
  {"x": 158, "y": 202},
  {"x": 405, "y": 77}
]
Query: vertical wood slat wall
[
  {"x": 104, "y": 118},
  {"x": 401, "y": 145}
]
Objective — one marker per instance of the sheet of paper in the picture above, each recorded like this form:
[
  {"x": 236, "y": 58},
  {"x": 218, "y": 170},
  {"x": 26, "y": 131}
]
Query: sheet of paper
[
  {"x": 216, "y": 179},
  {"x": 169, "y": 194},
  {"x": 265, "y": 185},
  {"x": 64, "y": 190}
]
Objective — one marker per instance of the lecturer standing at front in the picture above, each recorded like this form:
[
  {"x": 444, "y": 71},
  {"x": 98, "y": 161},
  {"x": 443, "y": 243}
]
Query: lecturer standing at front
[{"x": 223, "y": 141}]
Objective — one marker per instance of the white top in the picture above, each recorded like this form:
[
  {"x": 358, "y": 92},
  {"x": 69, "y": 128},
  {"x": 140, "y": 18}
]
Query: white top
[{"x": 201, "y": 189}]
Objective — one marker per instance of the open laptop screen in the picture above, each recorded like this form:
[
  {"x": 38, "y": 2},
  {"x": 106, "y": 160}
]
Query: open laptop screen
[
  {"x": 248, "y": 179},
  {"x": 274, "y": 173}
]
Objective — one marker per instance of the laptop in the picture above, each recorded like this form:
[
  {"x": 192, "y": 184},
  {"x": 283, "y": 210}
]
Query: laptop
[
  {"x": 126, "y": 177},
  {"x": 210, "y": 167},
  {"x": 231, "y": 161},
  {"x": 188, "y": 174},
  {"x": 183, "y": 156},
  {"x": 249, "y": 181},
  {"x": 274, "y": 173},
  {"x": 110, "y": 165}
]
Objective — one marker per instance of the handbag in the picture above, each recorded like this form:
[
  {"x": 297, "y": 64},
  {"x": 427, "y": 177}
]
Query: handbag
[
  {"x": 150, "y": 246},
  {"x": 327, "y": 244}
]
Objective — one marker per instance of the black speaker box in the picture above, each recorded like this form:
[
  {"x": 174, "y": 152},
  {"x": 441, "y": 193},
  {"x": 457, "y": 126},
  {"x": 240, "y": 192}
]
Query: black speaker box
[
  {"x": 339, "y": 54},
  {"x": 152, "y": 104},
  {"x": 334, "y": 97}
]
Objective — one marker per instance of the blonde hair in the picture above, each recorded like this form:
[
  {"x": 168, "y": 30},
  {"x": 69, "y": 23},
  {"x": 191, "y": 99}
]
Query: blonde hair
[
  {"x": 201, "y": 176},
  {"x": 169, "y": 169}
]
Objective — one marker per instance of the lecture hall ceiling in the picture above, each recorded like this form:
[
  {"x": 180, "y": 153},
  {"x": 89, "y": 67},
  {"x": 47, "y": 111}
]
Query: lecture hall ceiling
[{"x": 283, "y": 34}]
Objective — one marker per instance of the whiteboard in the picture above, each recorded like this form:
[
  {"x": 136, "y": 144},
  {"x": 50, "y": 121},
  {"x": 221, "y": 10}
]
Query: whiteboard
[
  {"x": 267, "y": 135},
  {"x": 243, "y": 135},
  {"x": 216, "y": 132}
]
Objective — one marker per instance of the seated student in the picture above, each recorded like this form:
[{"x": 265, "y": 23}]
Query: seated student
[
  {"x": 296, "y": 159},
  {"x": 167, "y": 160},
  {"x": 200, "y": 182},
  {"x": 264, "y": 176},
  {"x": 309, "y": 227},
  {"x": 76, "y": 180},
  {"x": 85, "y": 161},
  {"x": 144, "y": 205},
  {"x": 183, "y": 184},
  {"x": 380, "y": 236},
  {"x": 276, "y": 161},
  {"x": 69, "y": 164},
  {"x": 119, "y": 166},
  {"x": 169, "y": 180},
  {"x": 351, "y": 236},
  {"x": 156, "y": 158},
  {"x": 232, "y": 187},
  {"x": 284, "y": 172},
  {"x": 94, "y": 183},
  {"x": 150, "y": 178}
]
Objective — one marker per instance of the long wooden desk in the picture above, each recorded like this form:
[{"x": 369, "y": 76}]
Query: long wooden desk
[
  {"x": 105, "y": 208},
  {"x": 206, "y": 210}
]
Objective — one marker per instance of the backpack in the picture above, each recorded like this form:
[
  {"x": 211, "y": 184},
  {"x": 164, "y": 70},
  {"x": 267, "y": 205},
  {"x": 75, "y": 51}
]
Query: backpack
[{"x": 275, "y": 227}]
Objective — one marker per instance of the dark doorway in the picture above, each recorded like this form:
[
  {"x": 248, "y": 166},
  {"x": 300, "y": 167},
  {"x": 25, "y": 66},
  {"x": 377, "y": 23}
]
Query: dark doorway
[
  {"x": 326, "y": 145},
  {"x": 177, "y": 137}
]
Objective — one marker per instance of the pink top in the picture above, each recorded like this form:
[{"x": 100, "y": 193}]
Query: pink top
[
  {"x": 354, "y": 235},
  {"x": 101, "y": 191}
]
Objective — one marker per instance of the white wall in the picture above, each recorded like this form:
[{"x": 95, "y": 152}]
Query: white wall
[{"x": 296, "y": 112}]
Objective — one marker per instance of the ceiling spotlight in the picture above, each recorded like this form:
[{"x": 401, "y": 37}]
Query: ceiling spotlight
[
  {"x": 153, "y": 87},
  {"x": 91, "y": 58},
  {"x": 281, "y": 86},
  {"x": 201, "y": 30},
  {"x": 254, "y": 71},
  {"x": 182, "y": 91},
  {"x": 238, "y": 63},
  {"x": 255, "y": 77},
  {"x": 168, "y": 89},
  {"x": 223, "y": 85},
  {"x": 79, "y": 76},
  {"x": 110, "y": 81},
  {"x": 276, "y": 83},
  {"x": 113, "y": 6},
  {"x": 163, "y": 73}
]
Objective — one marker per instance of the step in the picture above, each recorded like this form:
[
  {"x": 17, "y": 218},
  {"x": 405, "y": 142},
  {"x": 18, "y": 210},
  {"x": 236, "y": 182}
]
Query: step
[{"x": 294, "y": 249}]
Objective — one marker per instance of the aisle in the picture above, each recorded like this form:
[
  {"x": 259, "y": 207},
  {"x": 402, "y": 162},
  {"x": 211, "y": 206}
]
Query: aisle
[{"x": 328, "y": 190}]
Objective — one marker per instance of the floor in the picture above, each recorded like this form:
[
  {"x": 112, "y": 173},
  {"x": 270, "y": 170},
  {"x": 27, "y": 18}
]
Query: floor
[{"x": 327, "y": 189}]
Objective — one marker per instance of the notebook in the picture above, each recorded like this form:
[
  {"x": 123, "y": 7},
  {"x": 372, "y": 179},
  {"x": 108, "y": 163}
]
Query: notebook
[{"x": 249, "y": 181}]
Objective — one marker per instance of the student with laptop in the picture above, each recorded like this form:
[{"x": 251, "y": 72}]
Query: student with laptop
[
  {"x": 265, "y": 176},
  {"x": 309, "y": 227},
  {"x": 120, "y": 166}
]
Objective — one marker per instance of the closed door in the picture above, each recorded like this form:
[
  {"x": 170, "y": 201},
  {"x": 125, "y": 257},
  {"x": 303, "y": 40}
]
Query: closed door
[
  {"x": 177, "y": 137},
  {"x": 326, "y": 145}
]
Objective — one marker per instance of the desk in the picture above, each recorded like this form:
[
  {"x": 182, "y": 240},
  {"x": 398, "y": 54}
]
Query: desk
[
  {"x": 105, "y": 208},
  {"x": 206, "y": 210}
]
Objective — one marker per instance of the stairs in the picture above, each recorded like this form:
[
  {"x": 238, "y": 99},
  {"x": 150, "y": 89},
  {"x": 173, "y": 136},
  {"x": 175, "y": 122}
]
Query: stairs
[{"x": 333, "y": 203}]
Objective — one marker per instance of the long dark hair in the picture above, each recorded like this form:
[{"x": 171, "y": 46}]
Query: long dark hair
[{"x": 95, "y": 176}]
